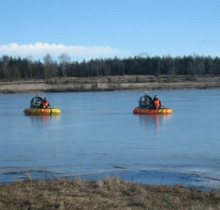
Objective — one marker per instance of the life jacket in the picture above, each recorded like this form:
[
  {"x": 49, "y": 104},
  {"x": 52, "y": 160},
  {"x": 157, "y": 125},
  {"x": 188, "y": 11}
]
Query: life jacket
[
  {"x": 45, "y": 104},
  {"x": 157, "y": 102}
]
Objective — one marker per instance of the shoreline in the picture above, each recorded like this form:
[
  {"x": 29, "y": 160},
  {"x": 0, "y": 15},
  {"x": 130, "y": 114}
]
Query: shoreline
[
  {"x": 109, "y": 83},
  {"x": 196, "y": 180}
]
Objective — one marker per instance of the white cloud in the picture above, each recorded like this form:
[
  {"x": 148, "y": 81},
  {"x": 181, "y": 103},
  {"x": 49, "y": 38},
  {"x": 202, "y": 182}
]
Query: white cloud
[{"x": 38, "y": 50}]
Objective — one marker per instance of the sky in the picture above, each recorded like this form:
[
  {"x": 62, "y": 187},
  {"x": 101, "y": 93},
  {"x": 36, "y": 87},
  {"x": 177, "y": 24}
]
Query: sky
[{"x": 90, "y": 29}]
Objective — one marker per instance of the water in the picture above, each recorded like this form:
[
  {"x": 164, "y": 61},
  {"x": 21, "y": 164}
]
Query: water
[{"x": 97, "y": 135}]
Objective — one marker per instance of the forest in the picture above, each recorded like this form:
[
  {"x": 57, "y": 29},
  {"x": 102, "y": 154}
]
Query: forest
[{"x": 25, "y": 68}]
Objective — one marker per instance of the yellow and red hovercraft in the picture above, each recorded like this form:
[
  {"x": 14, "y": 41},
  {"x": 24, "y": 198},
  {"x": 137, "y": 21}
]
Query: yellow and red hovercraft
[
  {"x": 147, "y": 105},
  {"x": 39, "y": 106}
]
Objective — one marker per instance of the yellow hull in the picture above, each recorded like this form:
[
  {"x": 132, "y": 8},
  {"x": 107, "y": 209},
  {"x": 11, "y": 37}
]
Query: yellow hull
[
  {"x": 30, "y": 111},
  {"x": 152, "y": 111}
]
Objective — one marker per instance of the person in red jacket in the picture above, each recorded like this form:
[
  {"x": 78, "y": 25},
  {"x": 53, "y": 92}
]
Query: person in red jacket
[
  {"x": 157, "y": 102},
  {"x": 45, "y": 103}
]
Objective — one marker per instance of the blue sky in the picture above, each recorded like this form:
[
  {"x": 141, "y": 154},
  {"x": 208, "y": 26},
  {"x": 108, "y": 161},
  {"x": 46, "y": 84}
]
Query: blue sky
[{"x": 86, "y": 29}]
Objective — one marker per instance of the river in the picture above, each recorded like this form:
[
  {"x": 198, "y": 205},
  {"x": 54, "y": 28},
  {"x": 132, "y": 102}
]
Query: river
[{"x": 97, "y": 135}]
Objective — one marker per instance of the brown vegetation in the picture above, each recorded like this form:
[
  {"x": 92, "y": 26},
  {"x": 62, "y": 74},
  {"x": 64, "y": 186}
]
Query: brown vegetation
[
  {"x": 110, "y": 193},
  {"x": 126, "y": 82}
]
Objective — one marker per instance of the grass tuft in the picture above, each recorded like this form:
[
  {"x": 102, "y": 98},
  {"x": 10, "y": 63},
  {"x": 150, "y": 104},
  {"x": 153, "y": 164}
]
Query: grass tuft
[{"x": 29, "y": 178}]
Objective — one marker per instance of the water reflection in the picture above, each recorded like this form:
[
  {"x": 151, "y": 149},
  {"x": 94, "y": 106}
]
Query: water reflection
[
  {"x": 44, "y": 120},
  {"x": 153, "y": 121}
]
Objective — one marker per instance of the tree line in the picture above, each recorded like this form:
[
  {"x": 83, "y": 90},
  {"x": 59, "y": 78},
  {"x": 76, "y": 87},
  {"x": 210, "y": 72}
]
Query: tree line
[{"x": 25, "y": 68}]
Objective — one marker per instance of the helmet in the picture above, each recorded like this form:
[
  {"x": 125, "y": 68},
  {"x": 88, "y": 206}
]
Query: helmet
[
  {"x": 45, "y": 99},
  {"x": 146, "y": 92},
  {"x": 155, "y": 96}
]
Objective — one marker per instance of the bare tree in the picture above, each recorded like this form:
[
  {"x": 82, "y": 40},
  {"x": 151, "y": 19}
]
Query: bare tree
[
  {"x": 64, "y": 62},
  {"x": 5, "y": 67},
  {"x": 171, "y": 69},
  {"x": 48, "y": 63}
]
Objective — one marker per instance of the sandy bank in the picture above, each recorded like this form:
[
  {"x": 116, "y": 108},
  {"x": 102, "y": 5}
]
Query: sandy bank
[{"x": 109, "y": 83}]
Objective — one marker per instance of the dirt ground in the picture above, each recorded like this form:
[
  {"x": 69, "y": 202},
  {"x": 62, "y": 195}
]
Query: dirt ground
[{"x": 136, "y": 82}]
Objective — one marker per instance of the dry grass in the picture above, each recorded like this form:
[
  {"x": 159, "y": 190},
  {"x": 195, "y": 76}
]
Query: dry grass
[
  {"x": 126, "y": 82},
  {"x": 110, "y": 193}
]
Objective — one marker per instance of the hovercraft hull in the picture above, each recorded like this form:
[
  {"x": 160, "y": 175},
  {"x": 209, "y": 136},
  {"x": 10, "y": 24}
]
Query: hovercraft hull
[
  {"x": 30, "y": 111},
  {"x": 139, "y": 110}
]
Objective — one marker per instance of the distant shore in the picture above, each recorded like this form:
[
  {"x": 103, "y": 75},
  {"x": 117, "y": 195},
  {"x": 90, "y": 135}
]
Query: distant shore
[{"x": 109, "y": 83}]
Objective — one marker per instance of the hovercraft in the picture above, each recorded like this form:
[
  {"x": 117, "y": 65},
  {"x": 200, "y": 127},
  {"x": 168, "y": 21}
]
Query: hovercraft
[
  {"x": 37, "y": 108},
  {"x": 146, "y": 106}
]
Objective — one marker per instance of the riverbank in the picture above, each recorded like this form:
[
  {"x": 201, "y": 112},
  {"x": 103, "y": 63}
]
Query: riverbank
[
  {"x": 109, "y": 193},
  {"x": 109, "y": 83}
]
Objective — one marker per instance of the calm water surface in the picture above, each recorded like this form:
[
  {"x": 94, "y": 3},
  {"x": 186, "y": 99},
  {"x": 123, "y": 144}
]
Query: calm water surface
[{"x": 97, "y": 135}]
